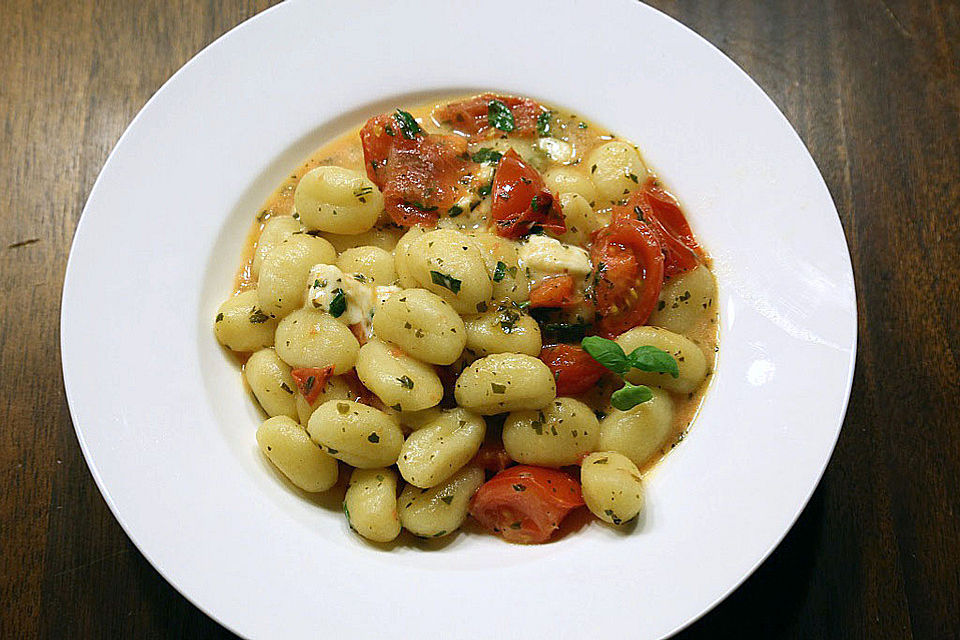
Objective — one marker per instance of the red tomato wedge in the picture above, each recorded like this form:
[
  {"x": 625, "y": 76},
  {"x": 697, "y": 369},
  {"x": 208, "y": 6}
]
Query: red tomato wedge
[
  {"x": 471, "y": 116},
  {"x": 311, "y": 381},
  {"x": 492, "y": 457},
  {"x": 556, "y": 292},
  {"x": 628, "y": 272},
  {"x": 526, "y": 504},
  {"x": 573, "y": 368},
  {"x": 662, "y": 213},
  {"x": 420, "y": 174},
  {"x": 521, "y": 200}
]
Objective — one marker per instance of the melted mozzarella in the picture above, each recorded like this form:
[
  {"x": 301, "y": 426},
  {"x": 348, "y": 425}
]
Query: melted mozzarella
[
  {"x": 544, "y": 256},
  {"x": 327, "y": 282}
]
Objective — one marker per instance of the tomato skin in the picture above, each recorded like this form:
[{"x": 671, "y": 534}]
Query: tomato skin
[
  {"x": 661, "y": 212},
  {"x": 522, "y": 201},
  {"x": 557, "y": 292},
  {"x": 492, "y": 457},
  {"x": 311, "y": 381},
  {"x": 624, "y": 253},
  {"x": 420, "y": 176},
  {"x": 526, "y": 504},
  {"x": 573, "y": 368},
  {"x": 470, "y": 116},
  {"x": 360, "y": 393}
]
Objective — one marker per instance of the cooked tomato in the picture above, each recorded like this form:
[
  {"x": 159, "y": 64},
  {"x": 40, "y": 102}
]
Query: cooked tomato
[
  {"x": 526, "y": 504},
  {"x": 358, "y": 332},
  {"x": 420, "y": 174},
  {"x": 521, "y": 200},
  {"x": 359, "y": 392},
  {"x": 492, "y": 457},
  {"x": 663, "y": 215},
  {"x": 573, "y": 368},
  {"x": 472, "y": 116},
  {"x": 555, "y": 292},
  {"x": 311, "y": 381},
  {"x": 628, "y": 272}
]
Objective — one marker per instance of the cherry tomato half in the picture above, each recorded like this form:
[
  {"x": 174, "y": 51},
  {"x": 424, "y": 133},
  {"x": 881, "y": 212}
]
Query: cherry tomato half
[
  {"x": 526, "y": 504},
  {"x": 471, "y": 116},
  {"x": 628, "y": 273},
  {"x": 521, "y": 200},
  {"x": 573, "y": 368}
]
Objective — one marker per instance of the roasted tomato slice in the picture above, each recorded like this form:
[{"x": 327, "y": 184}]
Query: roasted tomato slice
[
  {"x": 521, "y": 200},
  {"x": 662, "y": 213},
  {"x": 526, "y": 504},
  {"x": 420, "y": 174},
  {"x": 492, "y": 457},
  {"x": 472, "y": 116},
  {"x": 311, "y": 381},
  {"x": 573, "y": 368},
  {"x": 628, "y": 272},
  {"x": 557, "y": 292}
]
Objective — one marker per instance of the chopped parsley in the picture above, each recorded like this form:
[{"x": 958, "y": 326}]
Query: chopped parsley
[
  {"x": 454, "y": 211},
  {"x": 257, "y": 316},
  {"x": 374, "y": 438},
  {"x": 448, "y": 282},
  {"x": 498, "y": 388},
  {"x": 499, "y": 116},
  {"x": 486, "y": 154},
  {"x": 405, "y": 382},
  {"x": 499, "y": 272},
  {"x": 219, "y": 317},
  {"x": 339, "y": 304},
  {"x": 408, "y": 124},
  {"x": 543, "y": 123}
]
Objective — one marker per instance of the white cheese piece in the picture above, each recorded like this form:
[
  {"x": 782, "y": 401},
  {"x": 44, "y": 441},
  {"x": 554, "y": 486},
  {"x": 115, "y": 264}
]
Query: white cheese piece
[
  {"x": 545, "y": 256},
  {"x": 327, "y": 282},
  {"x": 558, "y": 150}
]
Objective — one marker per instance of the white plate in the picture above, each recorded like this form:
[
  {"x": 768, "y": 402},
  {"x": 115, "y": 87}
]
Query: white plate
[{"x": 168, "y": 431}]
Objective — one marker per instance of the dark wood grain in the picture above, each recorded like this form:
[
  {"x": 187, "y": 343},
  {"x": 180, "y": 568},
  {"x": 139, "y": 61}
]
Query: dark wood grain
[{"x": 873, "y": 88}]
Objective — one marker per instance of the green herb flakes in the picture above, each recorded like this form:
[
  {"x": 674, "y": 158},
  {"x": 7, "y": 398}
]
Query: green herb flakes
[
  {"x": 448, "y": 282},
  {"x": 339, "y": 303},
  {"x": 499, "y": 116},
  {"x": 408, "y": 124}
]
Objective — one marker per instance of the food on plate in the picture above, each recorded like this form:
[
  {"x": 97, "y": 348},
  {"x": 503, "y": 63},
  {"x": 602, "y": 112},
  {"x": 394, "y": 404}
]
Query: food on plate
[{"x": 482, "y": 308}]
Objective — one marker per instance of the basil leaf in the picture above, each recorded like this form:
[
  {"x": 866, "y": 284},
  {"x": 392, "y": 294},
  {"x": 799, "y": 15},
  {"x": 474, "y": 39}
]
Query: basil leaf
[
  {"x": 499, "y": 116},
  {"x": 444, "y": 280},
  {"x": 499, "y": 272},
  {"x": 648, "y": 358},
  {"x": 408, "y": 124},
  {"x": 486, "y": 154},
  {"x": 629, "y": 396},
  {"x": 606, "y": 352},
  {"x": 339, "y": 304},
  {"x": 543, "y": 123}
]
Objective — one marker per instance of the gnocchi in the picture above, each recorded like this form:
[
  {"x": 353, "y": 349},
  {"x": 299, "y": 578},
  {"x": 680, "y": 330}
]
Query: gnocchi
[
  {"x": 505, "y": 382},
  {"x": 459, "y": 302},
  {"x": 370, "y": 504},
  {"x": 361, "y": 436},
  {"x": 337, "y": 200},
  {"x": 439, "y": 449},
  {"x": 554, "y": 436},
  {"x": 612, "y": 487},
  {"x": 423, "y": 324},
  {"x": 291, "y": 450}
]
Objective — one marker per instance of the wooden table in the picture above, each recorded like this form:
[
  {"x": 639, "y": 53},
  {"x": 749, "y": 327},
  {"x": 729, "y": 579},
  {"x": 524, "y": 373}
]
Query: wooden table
[{"x": 873, "y": 87}]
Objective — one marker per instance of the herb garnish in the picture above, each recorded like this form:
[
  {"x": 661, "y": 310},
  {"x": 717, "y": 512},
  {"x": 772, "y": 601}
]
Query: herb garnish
[
  {"x": 486, "y": 154},
  {"x": 408, "y": 125},
  {"x": 257, "y": 316},
  {"x": 499, "y": 272},
  {"x": 543, "y": 123},
  {"x": 446, "y": 281},
  {"x": 499, "y": 116},
  {"x": 339, "y": 304},
  {"x": 645, "y": 358},
  {"x": 405, "y": 382}
]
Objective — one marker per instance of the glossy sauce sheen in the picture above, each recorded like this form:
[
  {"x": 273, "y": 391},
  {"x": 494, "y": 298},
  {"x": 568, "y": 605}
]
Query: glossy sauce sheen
[{"x": 584, "y": 136}]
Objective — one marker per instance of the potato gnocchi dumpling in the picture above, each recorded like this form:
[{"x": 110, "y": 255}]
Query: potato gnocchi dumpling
[
  {"x": 612, "y": 487},
  {"x": 441, "y": 509},
  {"x": 290, "y": 449},
  {"x": 434, "y": 452},
  {"x": 361, "y": 436},
  {"x": 370, "y": 504},
  {"x": 460, "y": 302}
]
